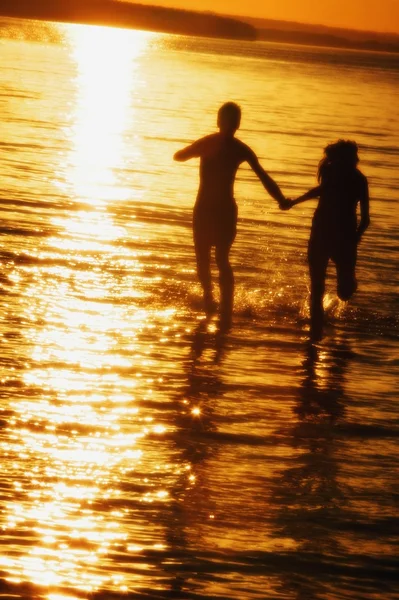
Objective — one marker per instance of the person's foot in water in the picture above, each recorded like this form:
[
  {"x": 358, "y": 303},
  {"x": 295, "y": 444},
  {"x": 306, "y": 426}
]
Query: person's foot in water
[{"x": 210, "y": 306}]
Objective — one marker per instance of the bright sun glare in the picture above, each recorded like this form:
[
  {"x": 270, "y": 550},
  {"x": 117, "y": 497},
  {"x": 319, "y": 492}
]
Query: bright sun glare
[
  {"x": 107, "y": 63},
  {"x": 70, "y": 539}
]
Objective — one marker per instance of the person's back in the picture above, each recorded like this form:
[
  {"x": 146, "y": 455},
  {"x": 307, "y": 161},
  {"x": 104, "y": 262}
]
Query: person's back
[
  {"x": 335, "y": 233},
  {"x": 219, "y": 161},
  {"x": 340, "y": 192},
  {"x": 215, "y": 210}
]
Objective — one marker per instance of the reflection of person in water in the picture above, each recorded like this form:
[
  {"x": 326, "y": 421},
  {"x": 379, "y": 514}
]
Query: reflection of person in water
[
  {"x": 194, "y": 444},
  {"x": 308, "y": 494},
  {"x": 215, "y": 211},
  {"x": 335, "y": 233}
]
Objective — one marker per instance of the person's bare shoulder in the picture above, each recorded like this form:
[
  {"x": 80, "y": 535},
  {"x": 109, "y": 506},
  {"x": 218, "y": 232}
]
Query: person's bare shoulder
[
  {"x": 209, "y": 143},
  {"x": 211, "y": 137},
  {"x": 205, "y": 141},
  {"x": 244, "y": 151},
  {"x": 197, "y": 149}
]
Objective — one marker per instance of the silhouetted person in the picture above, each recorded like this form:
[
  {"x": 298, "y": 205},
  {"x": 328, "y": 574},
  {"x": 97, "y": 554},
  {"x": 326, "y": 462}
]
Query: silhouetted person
[
  {"x": 335, "y": 233},
  {"x": 215, "y": 210}
]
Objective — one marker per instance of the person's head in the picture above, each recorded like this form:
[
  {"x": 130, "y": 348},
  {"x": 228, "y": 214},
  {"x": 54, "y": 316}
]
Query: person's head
[
  {"x": 341, "y": 155},
  {"x": 229, "y": 118}
]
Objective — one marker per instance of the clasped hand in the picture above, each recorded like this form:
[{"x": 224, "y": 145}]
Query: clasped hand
[{"x": 285, "y": 204}]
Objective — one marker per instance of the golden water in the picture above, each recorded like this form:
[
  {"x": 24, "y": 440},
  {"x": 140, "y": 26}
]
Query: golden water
[{"x": 144, "y": 454}]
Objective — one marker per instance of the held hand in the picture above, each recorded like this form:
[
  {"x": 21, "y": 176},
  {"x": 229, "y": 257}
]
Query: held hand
[
  {"x": 296, "y": 201},
  {"x": 285, "y": 203}
]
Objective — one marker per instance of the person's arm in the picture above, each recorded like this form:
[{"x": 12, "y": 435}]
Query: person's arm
[
  {"x": 310, "y": 195},
  {"x": 268, "y": 183},
  {"x": 364, "y": 210},
  {"x": 191, "y": 151}
]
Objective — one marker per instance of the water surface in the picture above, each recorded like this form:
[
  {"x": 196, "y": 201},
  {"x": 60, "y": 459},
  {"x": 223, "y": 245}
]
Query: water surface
[{"x": 143, "y": 453}]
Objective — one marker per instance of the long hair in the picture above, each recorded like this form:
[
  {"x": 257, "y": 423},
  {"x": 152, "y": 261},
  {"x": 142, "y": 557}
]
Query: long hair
[{"x": 339, "y": 158}]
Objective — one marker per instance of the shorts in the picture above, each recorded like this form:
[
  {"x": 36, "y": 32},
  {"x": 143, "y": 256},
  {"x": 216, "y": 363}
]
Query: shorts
[{"x": 215, "y": 226}]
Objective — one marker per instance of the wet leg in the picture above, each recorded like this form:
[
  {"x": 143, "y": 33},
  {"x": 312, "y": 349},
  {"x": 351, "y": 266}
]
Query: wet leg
[
  {"x": 345, "y": 262},
  {"x": 203, "y": 257},
  {"x": 318, "y": 261},
  {"x": 226, "y": 283}
]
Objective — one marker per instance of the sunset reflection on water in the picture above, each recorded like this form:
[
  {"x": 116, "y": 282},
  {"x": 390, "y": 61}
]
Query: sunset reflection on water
[
  {"x": 108, "y": 73},
  {"x": 73, "y": 439}
]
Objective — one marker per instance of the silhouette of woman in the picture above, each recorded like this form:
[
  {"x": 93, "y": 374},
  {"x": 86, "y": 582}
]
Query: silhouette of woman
[{"x": 335, "y": 233}]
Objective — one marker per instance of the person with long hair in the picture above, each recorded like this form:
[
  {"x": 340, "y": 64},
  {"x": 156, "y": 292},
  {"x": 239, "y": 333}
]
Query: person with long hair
[{"x": 335, "y": 232}]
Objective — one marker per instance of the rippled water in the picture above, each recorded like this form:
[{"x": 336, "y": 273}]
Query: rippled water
[{"x": 143, "y": 453}]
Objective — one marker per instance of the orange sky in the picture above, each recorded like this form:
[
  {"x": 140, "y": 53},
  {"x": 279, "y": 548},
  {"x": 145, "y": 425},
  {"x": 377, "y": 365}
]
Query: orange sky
[{"x": 373, "y": 15}]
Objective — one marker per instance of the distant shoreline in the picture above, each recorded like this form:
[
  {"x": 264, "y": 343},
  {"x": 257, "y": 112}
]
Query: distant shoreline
[
  {"x": 203, "y": 24},
  {"x": 130, "y": 16},
  {"x": 325, "y": 40}
]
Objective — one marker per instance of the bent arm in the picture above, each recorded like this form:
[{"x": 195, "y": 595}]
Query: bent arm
[
  {"x": 268, "y": 183},
  {"x": 191, "y": 151},
  {"x": 364, "y": 211}
]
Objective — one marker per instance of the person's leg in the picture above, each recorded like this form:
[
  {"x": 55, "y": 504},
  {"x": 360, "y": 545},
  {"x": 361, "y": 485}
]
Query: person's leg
[
  {"x": 345, "y": 262},
  {"x": 226, "y": 282},
  {"x": 203, "y": 240},
  {"x": 203, "y": 258},
  {"x": 225, "y": 233},
  {"x": 318, "y": 261}
]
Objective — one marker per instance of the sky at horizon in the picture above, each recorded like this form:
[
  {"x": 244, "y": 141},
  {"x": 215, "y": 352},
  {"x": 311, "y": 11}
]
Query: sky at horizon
[{"x": 369, "y": 15}]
